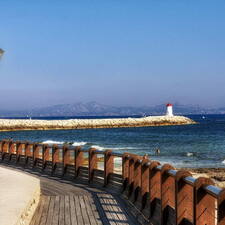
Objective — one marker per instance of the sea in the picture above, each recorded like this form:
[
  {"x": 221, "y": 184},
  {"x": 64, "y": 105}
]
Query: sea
[{"x": 201, "y": 145}]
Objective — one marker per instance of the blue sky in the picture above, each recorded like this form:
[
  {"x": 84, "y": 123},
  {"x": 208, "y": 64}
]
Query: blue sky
[{"x": 113, "y": 52}]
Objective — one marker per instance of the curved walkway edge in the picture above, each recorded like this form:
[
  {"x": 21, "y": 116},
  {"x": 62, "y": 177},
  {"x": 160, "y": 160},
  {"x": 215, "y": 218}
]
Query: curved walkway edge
[
  {"x": 66, "y": 202},
  {"x": 19, "y": 197}
]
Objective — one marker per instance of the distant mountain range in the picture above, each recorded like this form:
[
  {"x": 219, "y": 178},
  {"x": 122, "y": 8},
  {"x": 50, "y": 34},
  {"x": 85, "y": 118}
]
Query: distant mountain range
[{"x": 97, "y": 109}]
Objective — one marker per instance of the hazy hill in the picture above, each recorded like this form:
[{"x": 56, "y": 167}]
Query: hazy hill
[{"x": 97, "y": 109}]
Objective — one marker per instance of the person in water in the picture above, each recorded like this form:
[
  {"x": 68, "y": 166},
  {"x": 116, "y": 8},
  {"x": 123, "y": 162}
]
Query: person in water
[{"x": 157, "y": 151}]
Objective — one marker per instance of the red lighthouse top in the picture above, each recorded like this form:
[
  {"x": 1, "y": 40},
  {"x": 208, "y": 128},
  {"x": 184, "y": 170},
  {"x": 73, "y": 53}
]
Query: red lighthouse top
[{"x": 169, "y": 104}]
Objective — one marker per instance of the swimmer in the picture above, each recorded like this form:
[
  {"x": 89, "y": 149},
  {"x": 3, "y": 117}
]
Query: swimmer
[{"x": 157, "y": 151}]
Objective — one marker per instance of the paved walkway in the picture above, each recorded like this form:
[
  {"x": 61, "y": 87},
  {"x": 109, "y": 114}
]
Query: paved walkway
[{"x": 18, "y": 193}]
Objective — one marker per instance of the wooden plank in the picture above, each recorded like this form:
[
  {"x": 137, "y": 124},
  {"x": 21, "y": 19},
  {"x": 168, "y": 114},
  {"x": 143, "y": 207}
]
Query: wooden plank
[
  {"x": 84, "y": 211},
  {"x": 107, "y": 210},
  {"x": 67, "y": 211},
  {"x": 122, "y": 218},
  {"x": 50, "y": 210},
  {"x": 78, "y": 211},
  {"x": 113, "y": 213},
  {"x": 44, "y": 215},
  {"x": 73, "y": 215},
  {"x": 55, "y": 220},
  {"x": 62, "y": 210},
  {"x": 89, "y": 211},
  {"x": 94, "y": 210}
]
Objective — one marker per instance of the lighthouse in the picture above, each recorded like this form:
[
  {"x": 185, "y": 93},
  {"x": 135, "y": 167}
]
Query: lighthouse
[{"x": 169, "y": 109}]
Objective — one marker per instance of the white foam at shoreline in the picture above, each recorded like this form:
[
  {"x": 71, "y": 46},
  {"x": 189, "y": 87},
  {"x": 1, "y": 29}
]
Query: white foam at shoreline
[
  {"x": 79, "y": 143},
  {"x": 53, "y": 142},
  {"x": 62, "y": 142},
  {"x": 98, "y": 147},
  {"x": 111, "y": 148},
  {"x": 223, "y": 161}
]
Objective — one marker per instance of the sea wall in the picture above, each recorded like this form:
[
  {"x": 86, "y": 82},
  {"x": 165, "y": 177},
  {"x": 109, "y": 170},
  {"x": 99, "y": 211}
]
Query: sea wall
[{"x": 29, "y": 124}]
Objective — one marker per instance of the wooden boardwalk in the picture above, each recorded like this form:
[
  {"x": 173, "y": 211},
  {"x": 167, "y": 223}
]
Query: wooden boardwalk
[{"x": 62, "y": 203}]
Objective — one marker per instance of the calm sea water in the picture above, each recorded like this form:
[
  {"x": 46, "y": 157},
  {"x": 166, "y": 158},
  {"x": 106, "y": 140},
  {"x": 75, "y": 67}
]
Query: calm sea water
[{"x": 201, "y": 145}]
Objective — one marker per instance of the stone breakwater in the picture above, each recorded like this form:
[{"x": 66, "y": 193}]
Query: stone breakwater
[{"x": 25, "y": 124}]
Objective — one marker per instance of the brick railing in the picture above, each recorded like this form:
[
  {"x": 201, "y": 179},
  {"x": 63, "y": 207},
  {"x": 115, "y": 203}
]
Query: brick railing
[{"x": 162, "y": 194}]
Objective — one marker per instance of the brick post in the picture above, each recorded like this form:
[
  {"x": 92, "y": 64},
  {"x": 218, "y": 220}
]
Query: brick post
[
  {"x": 66, "y": 158},
  {"x": 28, "y": 149},
  {"x": 204, "y": 203},
  {"x": 144, "y": 194},
  {"x": 26, "y": 153},
  {"x": 130, "y": 188},
  {"x": 136, "y": 179},
  {"x": 92, "y": 163},
  {"x": 221, "y": 208},
  {"x": 155, "y": 192},
  {"x": 185, "y": 199},
  {"x": 5, "y": 148},
  {"x": 45, "y": 156},
  {"x": 1, "y": 145},
  {"x": 78, "y": 160},
  {"x": 108, "y": 166},
  {"x": 125, "y": 170},
  {"x": 19, "y": 151},
  {"x": 168, "y": 195},
  {"x": 11, "y": 149},
  {"x": 55, "y": 157}
]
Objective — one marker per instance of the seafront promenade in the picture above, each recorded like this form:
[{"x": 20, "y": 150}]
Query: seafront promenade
[
  {"x": 30, "y": 124},
  {"x": 142, "y": 192}
]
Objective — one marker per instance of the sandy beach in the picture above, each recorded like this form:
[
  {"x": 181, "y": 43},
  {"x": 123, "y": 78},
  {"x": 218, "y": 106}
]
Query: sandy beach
[
  {"x": 216, "y": 174},
  {"x": 30, "y": 124}
]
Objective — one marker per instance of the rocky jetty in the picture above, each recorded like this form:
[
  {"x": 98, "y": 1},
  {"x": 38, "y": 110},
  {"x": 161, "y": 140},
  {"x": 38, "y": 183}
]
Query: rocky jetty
[{"x": 29, "y": 124}]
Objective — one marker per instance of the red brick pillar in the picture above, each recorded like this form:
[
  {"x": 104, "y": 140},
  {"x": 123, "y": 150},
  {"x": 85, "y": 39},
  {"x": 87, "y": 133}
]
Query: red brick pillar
[
  {"x": 92, "y": 163},
  {"x": 168, "y": 195},
  {"x": 55, "y": 157},
  {"x": 221, "y": 208},
  {"x": 19, "y": 151},
  {"x": 35, "y": 154},
  {"x": 155, "y": 192},
  {"x": 205, "y": 203},
  {"x": 78, "y": 160},
  {"x": 45, "y": 155},
  {"x": 1, "y": 148},
  {"x": 11, "y": 150},
  {"x": 5, "y": 148},
  {"x": 136, "y": 178},
  {"x": 184, "y": 199},
  {"x": 125, "y": 170},
  {"x": 144, "y": 195},
  {"x": 130, "y": 188},
  {"x": 28, "y": 147},
  {"x": 1, "y": 145},
  {"x": 108, "y": 166},
  {"x": 66, "y": 158}
]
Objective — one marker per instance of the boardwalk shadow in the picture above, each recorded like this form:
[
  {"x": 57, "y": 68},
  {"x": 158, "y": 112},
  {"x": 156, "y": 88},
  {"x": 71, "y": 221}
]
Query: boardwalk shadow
[{"x": 65, "y": 202}]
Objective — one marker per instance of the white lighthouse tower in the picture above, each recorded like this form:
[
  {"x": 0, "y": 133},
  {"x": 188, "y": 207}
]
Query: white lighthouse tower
[{"x": 169, "y": 109}]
